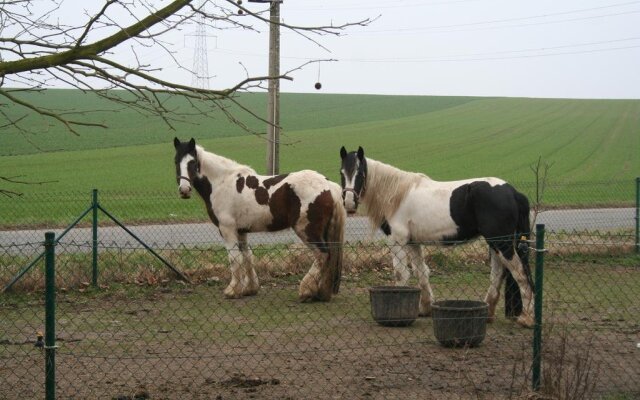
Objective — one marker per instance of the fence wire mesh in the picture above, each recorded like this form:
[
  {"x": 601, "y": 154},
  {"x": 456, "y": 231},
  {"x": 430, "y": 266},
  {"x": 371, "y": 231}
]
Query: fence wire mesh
[{"x": 144, "y": 334}]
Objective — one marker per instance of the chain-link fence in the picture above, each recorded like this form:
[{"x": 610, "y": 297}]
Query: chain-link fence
[{"x": 142, "y": 333}]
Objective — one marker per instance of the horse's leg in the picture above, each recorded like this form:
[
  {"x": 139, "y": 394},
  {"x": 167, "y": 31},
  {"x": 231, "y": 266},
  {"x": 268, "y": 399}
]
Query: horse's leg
[
  {"x": 310, "y": 284},
  {"x": 514, "y": 265},
  {"x": 238, "y": 277},
  {"x": 497, "y": 277},
  {"x": 251, "y": 284},
  {"x": 401, "y": 273},
  {"x": 398, "y": 239},
  {"x": 422, "y": 271},
  {"x": 316, "y": 284}
]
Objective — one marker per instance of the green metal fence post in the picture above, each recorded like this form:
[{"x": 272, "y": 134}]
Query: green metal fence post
[
  {"x": 638, "y": 215},
  {"x": 50, "y": 317},
  {"x": 537, "y": 329},
  {"x": 94, "y": 243}
]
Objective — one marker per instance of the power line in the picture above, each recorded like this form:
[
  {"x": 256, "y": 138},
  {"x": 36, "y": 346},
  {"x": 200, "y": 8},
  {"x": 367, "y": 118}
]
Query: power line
[
  {"x": 374, "y": 7},
  {"x": 451, "y": 57},
  {"x": 427, "y": 28},
  {"x": 427, "y": 4},
  {"x": 432, "y": 60},
  {"x": 546, "y": 48}
]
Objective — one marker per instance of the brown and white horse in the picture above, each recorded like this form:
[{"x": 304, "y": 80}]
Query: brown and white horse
[
  {"x": 239, "y": 201},
  {"x": 412, "y": 209}
]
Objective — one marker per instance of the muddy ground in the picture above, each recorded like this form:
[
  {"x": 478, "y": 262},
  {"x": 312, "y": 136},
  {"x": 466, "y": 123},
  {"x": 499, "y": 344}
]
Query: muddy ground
[{"x": 180, "y": 342}]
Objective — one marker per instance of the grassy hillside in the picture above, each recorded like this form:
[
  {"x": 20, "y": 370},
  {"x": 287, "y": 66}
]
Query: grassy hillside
[
  {"x": 127, "y": 127},
  {"x": 447, "y": 138}
]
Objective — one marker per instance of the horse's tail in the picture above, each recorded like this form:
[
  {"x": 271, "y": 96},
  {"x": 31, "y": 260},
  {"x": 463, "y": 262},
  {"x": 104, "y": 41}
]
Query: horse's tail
[
  {"x": 523, "y": 233},
  {"x": 524, "y": 228},
  {"x": 335, "y": 239},
  {"x": 512, "y": 297}
]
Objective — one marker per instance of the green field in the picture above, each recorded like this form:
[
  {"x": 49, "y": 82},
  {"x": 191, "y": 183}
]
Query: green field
[
  {"x": 126, "y": 127},
  {"x": 588, "y": 142}
]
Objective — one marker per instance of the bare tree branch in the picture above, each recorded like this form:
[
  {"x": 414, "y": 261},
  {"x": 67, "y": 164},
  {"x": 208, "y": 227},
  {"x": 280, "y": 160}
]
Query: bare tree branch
[
  {"x": 15, "y": 180},
  {"x": 541, "y": 173},
  {"x": 68, "y": 123},
  {"x": 93, "y": 20},
  {"x": 91, "y": 50},
  {"x": 37, "y": 50}
]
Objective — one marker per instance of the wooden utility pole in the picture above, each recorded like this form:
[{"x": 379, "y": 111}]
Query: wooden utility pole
[{"x": 273, "y": 104}]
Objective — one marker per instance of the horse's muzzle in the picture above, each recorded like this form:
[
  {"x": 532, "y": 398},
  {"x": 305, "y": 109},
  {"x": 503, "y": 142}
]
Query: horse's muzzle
[
  {"x": 185, "y": 192},
  {"x": 350, "y": 200}
]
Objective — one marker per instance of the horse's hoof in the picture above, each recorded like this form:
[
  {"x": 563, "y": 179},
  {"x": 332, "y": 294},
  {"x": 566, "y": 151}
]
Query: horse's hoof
[
  {"x": 308, "y": 297},
  {"x": 229, "y": 293},
  {"x": 525, "y": 321},
  {"x": 322, "y": 297},
  {"x": 305, "y": 298},
  {"x": 305, "y": 295},
  {"x": 313, "y": 299},
  {"x": 307, "y": 291},
  {"x": 251, "y": 292},
  {"x": 424, "y": 310}
]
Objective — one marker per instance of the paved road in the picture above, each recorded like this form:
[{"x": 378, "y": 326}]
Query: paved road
[{"x": 357, "y": 228}]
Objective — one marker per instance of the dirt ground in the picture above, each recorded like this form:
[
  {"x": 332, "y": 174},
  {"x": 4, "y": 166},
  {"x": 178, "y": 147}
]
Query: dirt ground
[{"x": 191, "y": 343}]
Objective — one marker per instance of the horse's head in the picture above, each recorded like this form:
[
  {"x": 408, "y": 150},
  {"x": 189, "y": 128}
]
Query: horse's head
[
  {"x": 353, "y": 177},
  {"x": 186, "y": 165}
]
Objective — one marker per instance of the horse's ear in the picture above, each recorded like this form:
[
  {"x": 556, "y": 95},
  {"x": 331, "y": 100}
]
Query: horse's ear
[
  {"x": 343, "y": 152},
  {"x": 176, "y": 142},
  {"x": 192, "y": 145},
  {"x": 360, "y": 153}
]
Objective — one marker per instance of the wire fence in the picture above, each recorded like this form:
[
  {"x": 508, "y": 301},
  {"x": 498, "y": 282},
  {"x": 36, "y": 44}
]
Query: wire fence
[{"x": 142, "y": 333}]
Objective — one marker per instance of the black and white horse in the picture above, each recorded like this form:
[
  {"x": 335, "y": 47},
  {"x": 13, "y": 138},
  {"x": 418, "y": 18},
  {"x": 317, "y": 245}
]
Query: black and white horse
[
  {"x": 411, "y": 209},
  {"x": 239, "y": 201}
]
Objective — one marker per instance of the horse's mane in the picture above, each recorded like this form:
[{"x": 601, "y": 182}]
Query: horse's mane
[
  {"x": 216, "y": 164},
  {"x": 386, "y": 187}
]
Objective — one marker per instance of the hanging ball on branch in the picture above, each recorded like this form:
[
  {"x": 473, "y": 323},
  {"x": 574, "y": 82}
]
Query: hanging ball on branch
[
  {"x": 240, "y": 12},
  {"x": 239, "y": 2},
  {"x": 318, "y": 85}
]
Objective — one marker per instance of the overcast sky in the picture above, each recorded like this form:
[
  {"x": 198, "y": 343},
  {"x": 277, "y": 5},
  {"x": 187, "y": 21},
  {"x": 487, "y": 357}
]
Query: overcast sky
[
  {"x": 571, "y": 48},
  {"x": 546, "y": 48}
]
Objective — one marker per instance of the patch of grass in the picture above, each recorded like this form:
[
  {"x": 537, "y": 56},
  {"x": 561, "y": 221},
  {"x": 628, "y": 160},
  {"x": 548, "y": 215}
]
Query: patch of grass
[{"x": 617, "y": 396}]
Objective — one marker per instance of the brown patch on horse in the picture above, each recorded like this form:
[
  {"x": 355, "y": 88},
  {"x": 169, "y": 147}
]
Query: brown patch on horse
[
  {"x": 319, "y": 214},
  {"x": 284, "y": 205},
  {"x": 252, "y": 182},
  {"x": 274, "y": 180},
  {"x": 262, "y": 196},
  {"x": 240, "y": 184}
]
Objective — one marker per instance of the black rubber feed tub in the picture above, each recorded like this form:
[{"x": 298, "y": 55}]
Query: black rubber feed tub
[
  {"x": 394, "y": 305},
  {"x": 459, "y": 323}
]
